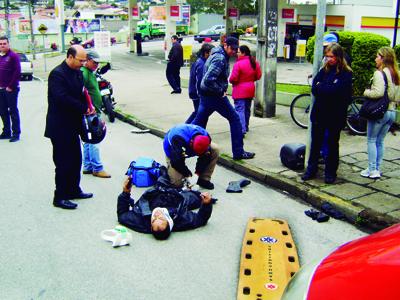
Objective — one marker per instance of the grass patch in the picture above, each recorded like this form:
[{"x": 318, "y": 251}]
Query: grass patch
[{"x": 293, "y": 88}]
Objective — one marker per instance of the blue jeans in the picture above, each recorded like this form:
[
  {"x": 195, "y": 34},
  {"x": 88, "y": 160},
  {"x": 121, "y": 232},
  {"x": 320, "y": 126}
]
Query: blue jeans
[
  {"x": 9, "y": 112},
  {"x": 376, "y": 132},
  {"x": 196, "y": 103},
  {"x": 222, "y": 105},
  {"x": 91, "y": 158},
  {"x": 242, "y": 107}
]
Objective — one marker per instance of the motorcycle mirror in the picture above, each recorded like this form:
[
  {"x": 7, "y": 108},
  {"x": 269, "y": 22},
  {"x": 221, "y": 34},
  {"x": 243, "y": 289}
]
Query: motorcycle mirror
[{"x": 105, "y": 69}]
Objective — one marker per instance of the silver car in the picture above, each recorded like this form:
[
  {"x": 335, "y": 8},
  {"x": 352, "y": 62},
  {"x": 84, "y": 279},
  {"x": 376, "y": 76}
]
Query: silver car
[{"x": 26, "y": 67}]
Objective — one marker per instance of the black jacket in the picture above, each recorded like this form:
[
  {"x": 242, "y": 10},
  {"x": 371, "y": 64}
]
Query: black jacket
[
  {"x": 332, "y": 93},
  {"x": 175, "y": 55},
  {"x": 67, "y": 103},
  {"x": 179, "y": 205}
]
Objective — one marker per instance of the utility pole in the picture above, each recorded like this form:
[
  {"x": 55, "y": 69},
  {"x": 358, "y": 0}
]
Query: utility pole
[
  {"x": 318, "y": 54},
  {"x": 267, "y": 43},
  {"x": 396, "y": 23},
  {"x": 30, "y": 7},
  {"x": 59, "y": 12},
  {"x": 228, "y": 20},
  {"x": 132, "y": 4},
  {"x": 6, "y": 15}
]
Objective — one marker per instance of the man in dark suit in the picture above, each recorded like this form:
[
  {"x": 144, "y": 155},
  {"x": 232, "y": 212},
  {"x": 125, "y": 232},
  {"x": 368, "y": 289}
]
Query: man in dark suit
[
  {"x": 67, "y": 105},
  {"x": 175, "y": 62}
]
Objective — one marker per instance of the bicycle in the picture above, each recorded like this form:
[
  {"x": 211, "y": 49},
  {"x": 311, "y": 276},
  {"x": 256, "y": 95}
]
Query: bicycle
[{"x": 300, "y": 113}]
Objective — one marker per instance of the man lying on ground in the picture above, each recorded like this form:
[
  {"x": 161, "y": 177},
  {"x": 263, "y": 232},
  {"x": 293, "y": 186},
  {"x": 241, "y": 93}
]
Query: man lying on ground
[{"x": 161, "y": 210}]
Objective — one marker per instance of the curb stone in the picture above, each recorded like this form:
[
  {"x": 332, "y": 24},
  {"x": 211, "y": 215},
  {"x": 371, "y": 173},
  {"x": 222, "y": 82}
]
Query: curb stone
[{"x": 355, "y": 215}]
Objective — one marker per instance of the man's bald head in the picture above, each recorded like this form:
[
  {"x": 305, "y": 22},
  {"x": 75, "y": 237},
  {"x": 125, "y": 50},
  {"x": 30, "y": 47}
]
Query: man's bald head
[{"x": 76, "y": 57}]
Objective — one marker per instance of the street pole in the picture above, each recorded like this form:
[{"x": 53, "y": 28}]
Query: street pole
[
  {"x": 132, "y": 24},
  {"x": 30, "y": 6},
  {"x": 6, "y": 15},
  {"x": 59, "y": 12},
  {"x": 267, "y": 43},
  {"x": 396, "y": 23},
  {"x": 170, "y": 27},
  {"x": 228, "y": 20},
  {"x": 318, "y": 54}
]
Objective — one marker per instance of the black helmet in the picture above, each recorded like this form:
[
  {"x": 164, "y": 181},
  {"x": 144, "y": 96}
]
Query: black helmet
[{"x": 93, "y": 129}]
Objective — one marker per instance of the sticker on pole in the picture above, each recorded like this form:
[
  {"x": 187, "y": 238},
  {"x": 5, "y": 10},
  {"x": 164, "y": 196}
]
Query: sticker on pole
[
  {"x": 271, "y": 286},
  {"x": 268, "y": 240}
]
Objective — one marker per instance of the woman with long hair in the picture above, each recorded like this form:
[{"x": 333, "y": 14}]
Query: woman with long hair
[
  {"x": 195, "y": 77},
  {"x": 386, "y": 64},
  {"x": 245, "y": 72},
  {"x": 332, "y": 89}
]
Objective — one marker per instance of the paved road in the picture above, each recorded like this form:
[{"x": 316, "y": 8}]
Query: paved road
[{"x": 49, "y": 253}]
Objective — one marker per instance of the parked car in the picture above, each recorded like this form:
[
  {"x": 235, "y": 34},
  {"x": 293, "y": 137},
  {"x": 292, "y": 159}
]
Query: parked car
[
  {"x": 217, "y": 28},
  {"x": 26, "y": 67},
  {"x": 365, "y": 268},
  {"x": 213, "y": 35}
]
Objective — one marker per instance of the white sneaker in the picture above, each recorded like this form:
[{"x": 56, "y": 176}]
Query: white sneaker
[
  {"x": 365, "y": 173},
  {"x": 375, "y": 174}
]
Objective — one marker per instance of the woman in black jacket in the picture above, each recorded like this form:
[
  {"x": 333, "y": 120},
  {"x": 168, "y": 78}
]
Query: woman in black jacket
[{"x": 332, "y": 91}]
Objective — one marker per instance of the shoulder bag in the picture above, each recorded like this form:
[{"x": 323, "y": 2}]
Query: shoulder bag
[{"x": 374, "y": 109}]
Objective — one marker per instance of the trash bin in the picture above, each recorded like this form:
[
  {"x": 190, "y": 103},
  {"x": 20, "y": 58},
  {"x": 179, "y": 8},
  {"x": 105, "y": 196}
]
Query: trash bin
[{"x": 138, "y": 38}]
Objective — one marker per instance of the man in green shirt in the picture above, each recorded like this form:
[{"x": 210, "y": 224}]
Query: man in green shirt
[{"x": 91, "y": 152}]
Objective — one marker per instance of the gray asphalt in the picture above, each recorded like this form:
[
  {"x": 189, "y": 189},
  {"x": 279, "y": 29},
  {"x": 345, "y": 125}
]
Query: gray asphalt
[{"x": 49, "y": 253}]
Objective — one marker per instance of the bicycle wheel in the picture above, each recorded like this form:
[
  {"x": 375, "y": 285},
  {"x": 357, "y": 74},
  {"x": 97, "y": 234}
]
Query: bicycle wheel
[
  {"x": 300, "y": 110},
  {"x": 355, "y": 123}
]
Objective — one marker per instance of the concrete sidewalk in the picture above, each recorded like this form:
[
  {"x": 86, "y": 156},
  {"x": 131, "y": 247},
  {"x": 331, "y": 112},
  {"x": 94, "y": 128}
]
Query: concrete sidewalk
[{"x": 144, "y": 100}]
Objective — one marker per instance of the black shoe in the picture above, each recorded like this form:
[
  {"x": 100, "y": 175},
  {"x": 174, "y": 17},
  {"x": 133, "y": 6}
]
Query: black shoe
[
  {"x": 176, "y": 92},
  {"x": 330, "y": 179},
  {"x": 66, "y": 204},
  {"x": 14, "y": 138},
  {"x": 245, "y": 155},
  {"x": 205, "y": 184},
  {"x": 83, "y": 195},
  {"x": 307, "y": 176},
  {"x": 4, "y": 136}
]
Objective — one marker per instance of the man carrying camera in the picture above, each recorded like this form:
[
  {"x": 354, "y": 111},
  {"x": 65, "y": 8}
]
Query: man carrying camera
[
  {"x": 188, "y": 140},
  {"x": 160, "y": 211}
]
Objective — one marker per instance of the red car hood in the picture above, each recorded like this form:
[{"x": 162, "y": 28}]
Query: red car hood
[{"x": 366, "y": 268}]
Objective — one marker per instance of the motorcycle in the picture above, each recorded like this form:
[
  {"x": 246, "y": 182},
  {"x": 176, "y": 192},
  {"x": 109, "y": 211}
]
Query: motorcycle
[
  {"x": 75, "y": 41},
  {"x": 106, "y": 91}
]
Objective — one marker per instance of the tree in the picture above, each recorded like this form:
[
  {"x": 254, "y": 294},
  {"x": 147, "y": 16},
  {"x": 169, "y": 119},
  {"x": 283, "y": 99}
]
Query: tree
[
  {"x": 69, "y": 3},
  {"x": 218, "y": 6}
]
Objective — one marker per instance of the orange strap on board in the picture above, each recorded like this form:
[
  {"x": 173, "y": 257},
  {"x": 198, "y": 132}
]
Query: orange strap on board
[{"x": 268, "y": 260}]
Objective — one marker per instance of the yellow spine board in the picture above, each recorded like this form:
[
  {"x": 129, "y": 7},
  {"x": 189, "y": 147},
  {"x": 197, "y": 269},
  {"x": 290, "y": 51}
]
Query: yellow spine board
[{"x": 268, "y": 260}]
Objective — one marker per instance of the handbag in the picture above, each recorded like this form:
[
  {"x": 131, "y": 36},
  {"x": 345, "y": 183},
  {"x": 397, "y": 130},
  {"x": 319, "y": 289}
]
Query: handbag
[{"x": 375, "y": 109}]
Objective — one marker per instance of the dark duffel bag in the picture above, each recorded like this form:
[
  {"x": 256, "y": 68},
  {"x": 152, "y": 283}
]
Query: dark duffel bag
[{"x": 292, "y": 155}]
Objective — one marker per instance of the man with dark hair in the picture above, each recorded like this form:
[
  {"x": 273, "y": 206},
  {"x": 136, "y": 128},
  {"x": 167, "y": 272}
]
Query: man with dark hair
[
  {"x": 175, "y": 62},
  {"x": 67, "y": 105},
  {"x": 161, "y": 210},
  {"x": 188, "y": 140},
  {"x": 10, "y": 73},
  {"x": 213, "y": 97}
]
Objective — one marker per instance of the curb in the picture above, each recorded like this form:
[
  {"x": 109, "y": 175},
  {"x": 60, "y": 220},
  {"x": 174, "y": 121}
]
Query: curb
[{"x": 356, "y": 215}]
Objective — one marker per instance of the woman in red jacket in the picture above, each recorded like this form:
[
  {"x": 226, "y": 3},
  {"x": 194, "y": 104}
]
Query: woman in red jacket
[{"x": 245, "y": 72}]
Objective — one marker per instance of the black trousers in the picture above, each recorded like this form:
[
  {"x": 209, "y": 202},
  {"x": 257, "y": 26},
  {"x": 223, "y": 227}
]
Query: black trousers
[
  {"x": 332, "y": 143},
  {"x": 67, "y": 157},
  {"x": 173, "y": 76}
]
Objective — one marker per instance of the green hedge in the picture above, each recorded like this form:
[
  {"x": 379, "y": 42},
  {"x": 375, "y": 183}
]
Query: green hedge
[{"x": 362, "y": 48}]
